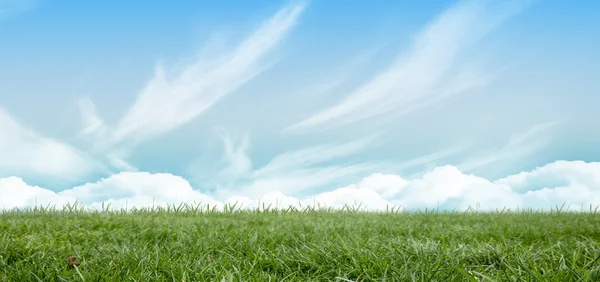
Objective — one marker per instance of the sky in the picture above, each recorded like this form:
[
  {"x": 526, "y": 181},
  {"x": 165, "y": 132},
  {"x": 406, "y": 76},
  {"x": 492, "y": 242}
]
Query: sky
[{"x": 407, "y": 104}]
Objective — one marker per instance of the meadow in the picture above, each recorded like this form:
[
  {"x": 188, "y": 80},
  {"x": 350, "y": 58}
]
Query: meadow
[{"x": 201, "y": 244}]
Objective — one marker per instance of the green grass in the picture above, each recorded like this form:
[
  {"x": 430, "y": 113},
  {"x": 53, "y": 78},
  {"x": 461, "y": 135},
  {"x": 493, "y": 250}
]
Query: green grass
[{"x": 190, "y": 244}]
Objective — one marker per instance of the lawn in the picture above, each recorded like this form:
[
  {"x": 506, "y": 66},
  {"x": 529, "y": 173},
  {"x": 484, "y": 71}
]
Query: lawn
[{"x": 197, "y": 245}]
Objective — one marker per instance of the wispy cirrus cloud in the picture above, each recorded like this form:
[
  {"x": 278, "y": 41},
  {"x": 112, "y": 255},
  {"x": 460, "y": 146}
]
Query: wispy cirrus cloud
[
  {"x": 90, "y": 120},
  {"x": 432, "y": 70},
  {"x": 305, "y": 170},
  {"x": 169, "y": 101},
  {"x": 236, "y": 155},
  {"x": 312, "y": 156},
  {"x": 291, "y": 172},
  {"x": 519, "y": 145}
]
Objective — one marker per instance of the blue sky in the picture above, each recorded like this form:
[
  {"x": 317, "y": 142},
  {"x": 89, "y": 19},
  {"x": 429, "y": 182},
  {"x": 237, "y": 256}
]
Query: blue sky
[{"x": 404, "y": 103}]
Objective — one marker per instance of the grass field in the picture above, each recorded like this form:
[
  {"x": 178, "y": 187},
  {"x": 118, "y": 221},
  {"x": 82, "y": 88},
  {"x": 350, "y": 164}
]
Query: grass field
[{"x": 195, "y": 245}]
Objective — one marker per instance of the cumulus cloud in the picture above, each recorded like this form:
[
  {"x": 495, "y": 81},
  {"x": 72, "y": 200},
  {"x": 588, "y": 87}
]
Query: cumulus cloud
[
  {"x": 574, "y": 183},
  {"x": 559, "y": 173},
  {"x": 15, "y": 193},
  {"x": 434, "y": 69},
  {"x": 25, "y": 152},
  {"x": 140, "y": 189},
  {"x": 122, "y": 190},
  {"x": 449, "y": 187}
]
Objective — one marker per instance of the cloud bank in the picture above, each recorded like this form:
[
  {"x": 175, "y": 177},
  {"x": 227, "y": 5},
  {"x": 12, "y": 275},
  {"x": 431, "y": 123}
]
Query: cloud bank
[{"x": 574, "y": 183}]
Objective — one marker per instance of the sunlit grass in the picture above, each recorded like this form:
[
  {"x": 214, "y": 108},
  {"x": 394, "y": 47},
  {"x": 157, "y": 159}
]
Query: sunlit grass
[{"x": 202, "y": 243}]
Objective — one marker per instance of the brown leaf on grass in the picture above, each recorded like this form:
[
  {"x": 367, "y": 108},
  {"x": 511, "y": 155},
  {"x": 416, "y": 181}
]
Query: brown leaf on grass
[{"x": 72, "y": 262}]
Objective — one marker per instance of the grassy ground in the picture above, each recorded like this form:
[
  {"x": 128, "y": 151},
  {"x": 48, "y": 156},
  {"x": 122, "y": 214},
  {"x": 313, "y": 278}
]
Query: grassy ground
[{"x": 299, "y": 246}]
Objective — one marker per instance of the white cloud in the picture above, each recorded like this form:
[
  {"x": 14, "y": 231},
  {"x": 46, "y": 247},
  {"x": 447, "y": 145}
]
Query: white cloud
[
  {"x": 336, "y": 77},
  {"x": 386, "y": 185},
  {"x": 91, "y": 122},
  {"x": 238, "y": 161},
  {"x": 350, "y": 196},
  {"x": 553, "y": 175},
  {"x": 307, "y": 157},
  {"x": 289, "y": 172},
  {"x": 429, "y": 159},
  {"x": 575, "y": 183},
  {"x": 447, "y": 184},
  {"x": 434, "y": 68},
  {"x": 125, "y": 189},
  {"x": 118, "y": 161},
  {"x": 15, "y": 193},
  {"x": 300, "y": 171},
  {"x": 518, "y": 146},
  {"x": 336, "y": 199},
  {"x": 301, "y": 180},
  {"x": 166, "y": 102},
  {"x": 25, "y": 152},
  {"x": 534, "y": 131},
  {"x": 138, "y": 188}
]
